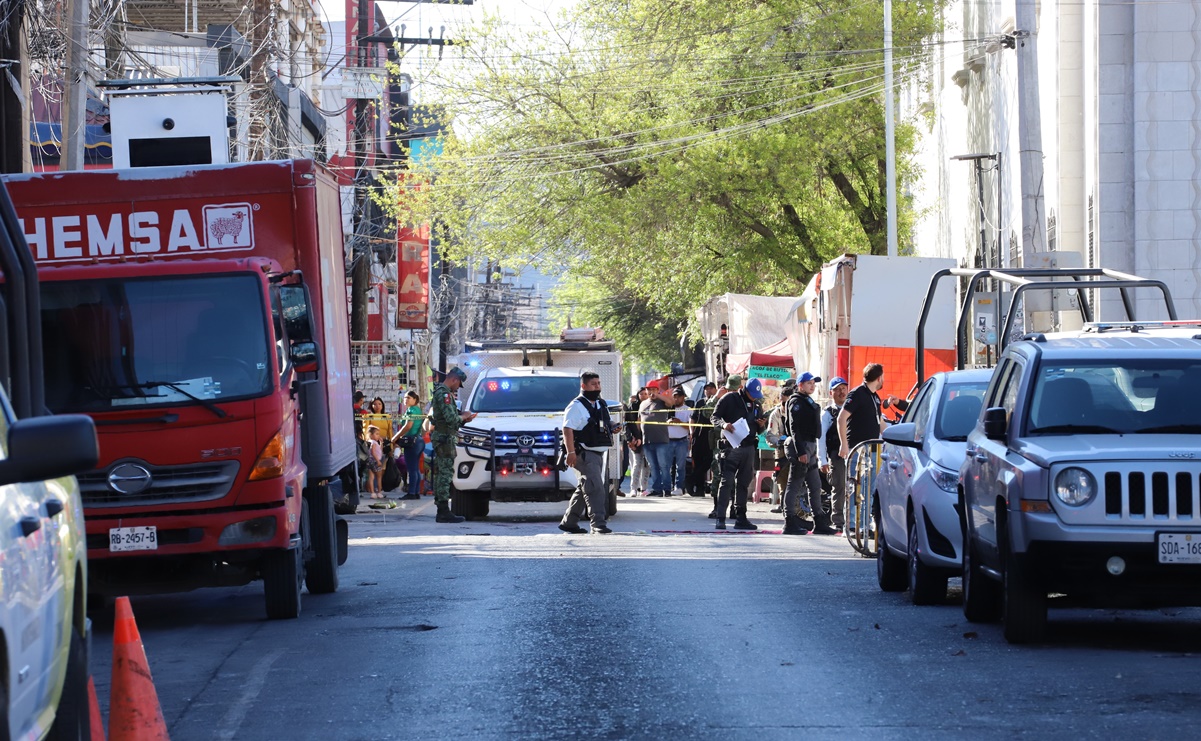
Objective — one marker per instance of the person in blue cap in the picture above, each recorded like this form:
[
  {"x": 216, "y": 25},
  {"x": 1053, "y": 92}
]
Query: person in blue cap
[
  {"x": 804, "y": 427},
  {"x": 738, "y": 461},
  {"x": 833, "y": 465}
]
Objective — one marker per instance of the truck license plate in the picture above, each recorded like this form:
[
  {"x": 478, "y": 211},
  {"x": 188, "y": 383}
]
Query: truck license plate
[
  {"x": 1179, "y": 547},
  {"x": 143, "y": 538}
]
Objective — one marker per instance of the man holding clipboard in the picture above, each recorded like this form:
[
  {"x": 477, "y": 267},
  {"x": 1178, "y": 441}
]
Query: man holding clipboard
[{"x": 737, "y": 419}]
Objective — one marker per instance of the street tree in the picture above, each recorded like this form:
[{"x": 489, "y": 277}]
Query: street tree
[{"x": 661, "y": 152}]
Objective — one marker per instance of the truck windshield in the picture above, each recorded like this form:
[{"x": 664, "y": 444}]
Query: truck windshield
[
  {"x": 1130, "y": 397},
  {"x": 120, "y": 343},
  {"x": 524, "y": 394}
]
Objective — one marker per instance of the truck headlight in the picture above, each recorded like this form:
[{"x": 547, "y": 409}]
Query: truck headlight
[
  {"x": 946, "y": 480},
  {"x": 471, "y": 438},
  {"x": 1075, "y": 487}
]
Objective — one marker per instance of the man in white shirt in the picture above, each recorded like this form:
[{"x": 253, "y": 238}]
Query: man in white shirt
[
  {"x": 679, "y": 434},
  {"x": 587, "y": 435}
]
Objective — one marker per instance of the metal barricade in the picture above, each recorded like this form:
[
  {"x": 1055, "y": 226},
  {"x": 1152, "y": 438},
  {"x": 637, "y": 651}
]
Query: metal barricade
[{"x": 862, "y": 466}]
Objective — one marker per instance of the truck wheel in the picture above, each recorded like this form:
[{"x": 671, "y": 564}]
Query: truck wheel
[
  {"x": 460, "y": 503},
  {"x": 926, "y": 586},
  {"x": 480, "y": 505},
  {"x": 283, "y": 573},
  {"x": 890, "y": 570},
  {"x": 1025, "y": 605},
  {"x": 345, "y": 491},
  {"x": 72, "y": 721},
  {"x": 981, "y": 595},
  {"x": 321, "y": 573}
]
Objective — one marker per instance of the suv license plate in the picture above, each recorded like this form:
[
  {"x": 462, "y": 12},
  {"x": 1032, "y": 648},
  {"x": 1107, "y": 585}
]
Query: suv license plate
[
  {"x": 1179, "y": 547},
  {"x": 144, "y": 538}
]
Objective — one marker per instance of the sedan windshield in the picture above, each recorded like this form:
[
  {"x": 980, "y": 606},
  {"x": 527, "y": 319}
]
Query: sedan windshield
[
  {"x": 1130, "y": 397},
  {"x": 112, "y": 344},
  {"x": 524, "y": 394}
]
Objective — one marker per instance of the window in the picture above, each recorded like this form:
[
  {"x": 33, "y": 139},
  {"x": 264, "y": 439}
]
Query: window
[
  {"x": 919, "y": 411},
  {"x": 117, "y": 343}
]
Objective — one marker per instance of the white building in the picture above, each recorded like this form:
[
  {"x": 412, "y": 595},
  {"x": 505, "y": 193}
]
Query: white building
[{"x": 1121, "y": 140}]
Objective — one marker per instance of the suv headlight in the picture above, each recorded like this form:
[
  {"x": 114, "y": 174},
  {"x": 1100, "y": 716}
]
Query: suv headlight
[
  {"x": 1075, "y": 487},
  {"x": 946, "y": 480}
]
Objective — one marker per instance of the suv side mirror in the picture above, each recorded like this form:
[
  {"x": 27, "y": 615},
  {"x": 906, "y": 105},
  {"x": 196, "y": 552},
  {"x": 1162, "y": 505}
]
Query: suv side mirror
[
  {"x": 305, "y": 358},
  {"x": 43, "y": 448},
  {"x": 995, "y": 423},
  {"x": 903, "y": 434}
]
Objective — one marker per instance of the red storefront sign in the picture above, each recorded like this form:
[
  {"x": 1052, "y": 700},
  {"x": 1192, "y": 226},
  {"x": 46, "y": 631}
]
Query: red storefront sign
[{"x": 413, "y": 296}]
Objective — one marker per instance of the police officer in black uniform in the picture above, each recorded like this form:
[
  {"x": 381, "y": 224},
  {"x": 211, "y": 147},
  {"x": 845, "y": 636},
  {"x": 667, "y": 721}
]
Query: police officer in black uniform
[{"x": 804, "y": 427}]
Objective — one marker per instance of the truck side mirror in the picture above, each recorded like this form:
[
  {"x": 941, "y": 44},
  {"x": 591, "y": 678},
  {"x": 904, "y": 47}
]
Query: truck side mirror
[
  {"x": 43, "y": 448},
  {"x": 305, "y": 358},
  {"x": 996, "y": 423},
  {"x": 294, "y": 306}
]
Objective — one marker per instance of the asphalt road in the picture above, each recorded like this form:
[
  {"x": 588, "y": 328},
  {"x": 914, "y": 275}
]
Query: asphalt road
[{"x": 511, "y": 629}]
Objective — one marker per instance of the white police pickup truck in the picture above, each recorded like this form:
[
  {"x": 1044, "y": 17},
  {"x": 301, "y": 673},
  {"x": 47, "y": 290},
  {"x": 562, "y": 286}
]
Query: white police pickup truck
[{"x": 508, "y": 452}]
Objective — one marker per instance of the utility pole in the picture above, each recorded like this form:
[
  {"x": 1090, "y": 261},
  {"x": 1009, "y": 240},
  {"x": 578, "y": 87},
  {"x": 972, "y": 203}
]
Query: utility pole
[
  {"x": 260, "y": 91},
  {"x": 1030, "y": 138},
  {"x": 361, "y": 274},
  {"x": 75, "y": 92},
  {"x": 890, "y": 146}
]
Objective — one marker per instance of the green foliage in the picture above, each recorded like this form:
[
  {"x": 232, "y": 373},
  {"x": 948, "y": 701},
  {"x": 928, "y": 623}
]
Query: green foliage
[{"x": 671, "y": 150}]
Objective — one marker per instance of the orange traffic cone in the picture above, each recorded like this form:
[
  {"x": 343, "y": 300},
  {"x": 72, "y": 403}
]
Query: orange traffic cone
[
  {"x": 134, "y": 713},
  {"x": 94, "y": 712}
]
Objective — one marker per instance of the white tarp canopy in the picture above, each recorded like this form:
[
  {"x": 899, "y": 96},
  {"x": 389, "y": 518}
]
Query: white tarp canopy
[
  {"x": 753, "y": 322},
  {"x": 798, "y": 326}
]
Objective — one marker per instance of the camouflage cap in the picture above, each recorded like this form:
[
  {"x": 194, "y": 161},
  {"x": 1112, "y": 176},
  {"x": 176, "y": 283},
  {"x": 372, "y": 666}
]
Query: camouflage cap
[
  {"x": 457, "y": 372},
  {"x": 734, "y": 382}
]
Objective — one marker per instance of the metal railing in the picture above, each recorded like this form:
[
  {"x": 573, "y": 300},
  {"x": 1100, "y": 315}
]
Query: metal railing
[{"x": 862, "y": 467}]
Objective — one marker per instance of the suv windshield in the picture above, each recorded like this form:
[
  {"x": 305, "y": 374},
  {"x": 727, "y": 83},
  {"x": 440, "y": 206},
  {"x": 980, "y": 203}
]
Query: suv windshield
[
  {"x": 1133, "y": 396},
  {"x": 112, "y": 344},
  {"x": 524, "y": 394}
]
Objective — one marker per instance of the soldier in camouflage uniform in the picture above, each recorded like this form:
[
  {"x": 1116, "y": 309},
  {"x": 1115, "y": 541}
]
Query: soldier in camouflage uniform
[{"x": 447, "y": 420}]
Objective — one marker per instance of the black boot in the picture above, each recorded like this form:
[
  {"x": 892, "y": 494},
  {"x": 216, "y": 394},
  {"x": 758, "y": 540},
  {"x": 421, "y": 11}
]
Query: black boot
[
  {"x": 742, "y": 523},
  {"x": 445, "y": 515},
  {"x": 793, "y": 526}
]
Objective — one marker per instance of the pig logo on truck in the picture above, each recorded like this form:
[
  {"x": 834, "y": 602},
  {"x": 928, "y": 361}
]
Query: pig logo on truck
[{"x": 228, "y": 226}]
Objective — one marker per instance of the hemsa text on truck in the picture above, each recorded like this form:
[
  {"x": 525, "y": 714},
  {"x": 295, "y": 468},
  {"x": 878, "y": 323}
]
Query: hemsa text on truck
[{"x": 198, "y": 315}]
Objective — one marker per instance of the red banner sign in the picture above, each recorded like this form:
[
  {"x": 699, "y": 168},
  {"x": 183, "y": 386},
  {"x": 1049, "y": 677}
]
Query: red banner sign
[{"x": 413, "y": 272}]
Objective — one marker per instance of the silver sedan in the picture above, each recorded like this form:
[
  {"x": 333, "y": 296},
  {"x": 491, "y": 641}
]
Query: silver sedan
[{"x": 921, "y": 543}]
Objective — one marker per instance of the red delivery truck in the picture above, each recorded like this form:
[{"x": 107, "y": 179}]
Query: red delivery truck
[{"x": 198, "y": 315}]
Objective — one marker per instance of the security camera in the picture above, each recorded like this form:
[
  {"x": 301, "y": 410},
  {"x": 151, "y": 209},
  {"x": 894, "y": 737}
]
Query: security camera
[{"x": 168, "y": 123}]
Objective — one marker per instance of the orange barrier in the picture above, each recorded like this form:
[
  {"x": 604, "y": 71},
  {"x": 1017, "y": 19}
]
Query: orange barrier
[{"x": 134, "y": 713}]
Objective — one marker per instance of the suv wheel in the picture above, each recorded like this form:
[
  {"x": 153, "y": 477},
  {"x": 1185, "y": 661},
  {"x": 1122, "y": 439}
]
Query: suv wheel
[
  {"x": 926, "y": 585},
  {"x": 981, "y": 595},
  {"x": 72, "y": 721},
  {"x": 890, "y": 570},
  {"x": 1025, "y": 605}
]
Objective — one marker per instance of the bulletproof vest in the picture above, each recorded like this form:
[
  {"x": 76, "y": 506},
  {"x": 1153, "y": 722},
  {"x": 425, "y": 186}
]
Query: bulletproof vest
[
  {"x": 833, "y": 442},
  {"x": 598, "y": 433}
]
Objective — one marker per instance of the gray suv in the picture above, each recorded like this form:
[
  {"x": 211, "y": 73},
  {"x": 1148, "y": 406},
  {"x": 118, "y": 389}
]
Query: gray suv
[{"x": 1082, "y": 476}]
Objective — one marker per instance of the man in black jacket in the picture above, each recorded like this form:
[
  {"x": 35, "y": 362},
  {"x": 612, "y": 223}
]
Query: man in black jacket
[
  {"x": 738, "y": 464},
  {"x": 804, "y": 427}
]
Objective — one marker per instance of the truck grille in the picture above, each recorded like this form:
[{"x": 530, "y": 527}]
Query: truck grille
[
  {"x": 515, "y": 440},
  {"x": 1140, "y": 495},
  {"x": 196, "y": 482}
]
